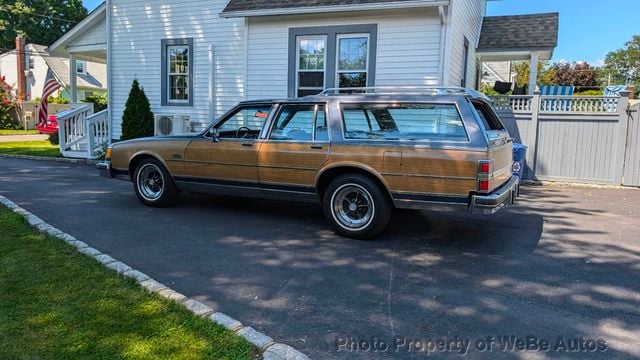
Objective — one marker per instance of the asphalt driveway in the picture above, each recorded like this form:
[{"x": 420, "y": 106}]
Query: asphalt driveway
[{"x": 563, "y": 266}]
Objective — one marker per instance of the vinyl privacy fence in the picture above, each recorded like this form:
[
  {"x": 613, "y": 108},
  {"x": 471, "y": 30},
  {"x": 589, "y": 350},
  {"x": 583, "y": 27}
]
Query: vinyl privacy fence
[{"x": 575, "y": 139}]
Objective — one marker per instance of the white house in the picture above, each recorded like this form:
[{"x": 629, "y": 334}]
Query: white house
[
  {"x": 91, "y": 76},
  {"x": 197, "y": 59}
]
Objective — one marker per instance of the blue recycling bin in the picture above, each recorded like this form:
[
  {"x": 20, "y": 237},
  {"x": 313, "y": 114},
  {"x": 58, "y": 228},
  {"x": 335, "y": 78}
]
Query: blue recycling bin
[{"x": 519, "y": 155}]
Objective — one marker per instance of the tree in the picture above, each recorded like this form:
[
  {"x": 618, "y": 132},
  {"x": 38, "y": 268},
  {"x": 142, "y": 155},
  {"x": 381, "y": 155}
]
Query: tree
[
  {"x": 623, "y": 65},
  {"x": 39, "y": 21},
  {"x": 578, "y": 74},
  {"x": 546, "y": 74},
  {"x": 137, "y": 120}
]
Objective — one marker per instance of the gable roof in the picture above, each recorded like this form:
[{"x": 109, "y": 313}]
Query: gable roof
[
  {"x": 281, "y": 7},
  {"x": 531, "y": 32},
  {"x": 95, "y": 78}
]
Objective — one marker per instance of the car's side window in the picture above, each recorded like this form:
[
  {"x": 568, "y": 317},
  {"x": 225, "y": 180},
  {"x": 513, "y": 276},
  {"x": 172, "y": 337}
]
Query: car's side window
[
  {"x": 396, "y": 121},
  {"x": 246, "y": 122},
  {"x": 299, "y": 123}
]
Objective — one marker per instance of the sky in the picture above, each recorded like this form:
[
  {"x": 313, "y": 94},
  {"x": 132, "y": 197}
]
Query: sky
[{"x": 589, "y": 29}]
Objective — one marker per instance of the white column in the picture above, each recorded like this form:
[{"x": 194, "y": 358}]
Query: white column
[
  {"x": 73, "y": 78},
  {"x": 533, "y": 73}
]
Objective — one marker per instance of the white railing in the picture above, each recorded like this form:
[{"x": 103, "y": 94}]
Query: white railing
[
  {"x": 557, "y": 104},
  {"x": 98, "y": 132},
  {"x": 514, "y": 103},
  {"x": 579, "y": 104},
  {"x": 72, "y": 129}
]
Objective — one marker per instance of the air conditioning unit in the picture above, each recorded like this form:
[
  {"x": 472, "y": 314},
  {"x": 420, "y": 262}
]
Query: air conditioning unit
[{"x": 171, "y": 124}]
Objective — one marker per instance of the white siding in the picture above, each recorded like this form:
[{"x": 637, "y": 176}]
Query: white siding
[
  {"x": 35, "y": 83},
  {"x": 95, "y": 36},
  {"x": 466, "y": 20},
  {"x": 137, "y": 28},
  {"x": 8, "y": 69},
  {"x": 408, "y": 48}
]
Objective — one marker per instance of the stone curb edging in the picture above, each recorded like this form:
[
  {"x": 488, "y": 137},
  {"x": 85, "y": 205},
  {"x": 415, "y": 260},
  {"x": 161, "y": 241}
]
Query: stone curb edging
[
  {"x": 48, "y": 158},
  {"x": 269, "y": 348}
]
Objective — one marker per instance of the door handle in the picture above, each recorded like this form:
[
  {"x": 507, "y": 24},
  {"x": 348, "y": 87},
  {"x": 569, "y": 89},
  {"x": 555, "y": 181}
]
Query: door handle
[
  {"x": 247, "y": 144},
  {"x": 317, "y": 147}
]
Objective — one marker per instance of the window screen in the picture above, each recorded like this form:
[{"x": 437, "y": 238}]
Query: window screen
[{"x": 403, "y": 122}]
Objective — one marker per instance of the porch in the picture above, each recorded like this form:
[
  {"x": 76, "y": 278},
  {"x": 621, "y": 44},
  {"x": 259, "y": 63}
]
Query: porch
[{"x": 82, "y": 132}]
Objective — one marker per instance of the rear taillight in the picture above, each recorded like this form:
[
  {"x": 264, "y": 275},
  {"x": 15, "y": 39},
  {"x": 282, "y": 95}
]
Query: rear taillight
[{"x": 485, "y": 174}]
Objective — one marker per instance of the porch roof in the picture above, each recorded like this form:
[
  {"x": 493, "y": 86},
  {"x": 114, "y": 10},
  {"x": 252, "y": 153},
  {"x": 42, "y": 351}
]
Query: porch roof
[
  {"x": 91, "y": 49},
  {"x": 516, "y": 36},
  {"x": 241, "y": 8}
]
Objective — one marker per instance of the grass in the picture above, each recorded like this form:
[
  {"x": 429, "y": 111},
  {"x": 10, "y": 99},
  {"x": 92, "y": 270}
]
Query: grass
[
  {"x": 36, "y": 148},
  {"x": 19, "y": 132},
  {"x": 56, "y": 303}
]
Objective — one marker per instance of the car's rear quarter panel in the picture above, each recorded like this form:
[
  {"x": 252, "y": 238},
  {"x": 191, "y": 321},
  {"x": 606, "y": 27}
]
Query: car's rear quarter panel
[{"x": 416, "y": 169}]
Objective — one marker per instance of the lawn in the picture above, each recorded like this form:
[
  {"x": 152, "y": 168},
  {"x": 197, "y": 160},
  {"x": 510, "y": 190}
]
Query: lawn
[
  {"x": 19, "y": 132},
  {"x": 56, "y": 303},
  {"x": 36, "y": 148}
]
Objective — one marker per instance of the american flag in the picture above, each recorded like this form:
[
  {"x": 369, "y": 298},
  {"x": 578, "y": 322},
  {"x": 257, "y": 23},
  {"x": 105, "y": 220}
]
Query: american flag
[{"x": 50, "y": 87}]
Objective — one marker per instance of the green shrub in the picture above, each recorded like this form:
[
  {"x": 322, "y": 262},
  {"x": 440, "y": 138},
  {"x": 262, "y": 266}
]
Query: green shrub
[
  {"x": 588, "y": 93},
  {"x": 54, "y": 139},
  {"x": 99, "y": 101},
  {"x": 137, "y": 120},
  {"x": 490, "y": 91},
  {"x": 58, "y": 100}
]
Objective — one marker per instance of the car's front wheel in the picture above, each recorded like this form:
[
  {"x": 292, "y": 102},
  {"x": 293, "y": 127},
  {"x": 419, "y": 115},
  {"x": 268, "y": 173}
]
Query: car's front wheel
[
  {"x": 153, "y": 184},
  {"x": 356, "y": 207}
]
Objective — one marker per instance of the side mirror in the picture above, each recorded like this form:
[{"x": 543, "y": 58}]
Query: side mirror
[{"x": 214, "y": 135}]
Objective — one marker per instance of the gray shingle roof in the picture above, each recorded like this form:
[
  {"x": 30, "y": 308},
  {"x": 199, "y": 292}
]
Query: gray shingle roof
[
  {"x": 95, "y": 78},
  {"x": 535, "y": 31},
  {"x": 249, "y": 5}
]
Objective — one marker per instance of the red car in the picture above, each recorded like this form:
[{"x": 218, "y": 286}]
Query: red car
[{"x": 50, "y": 126}]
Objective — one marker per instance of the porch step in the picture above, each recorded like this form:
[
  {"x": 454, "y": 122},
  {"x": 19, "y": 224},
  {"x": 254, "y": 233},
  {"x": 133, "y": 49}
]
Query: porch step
[{"x": 75, "y": 154}]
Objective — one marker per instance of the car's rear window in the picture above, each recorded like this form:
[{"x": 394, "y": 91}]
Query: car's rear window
[{"x": 403, "y": 122}]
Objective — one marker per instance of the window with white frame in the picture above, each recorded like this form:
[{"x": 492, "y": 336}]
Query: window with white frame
[
  {"x": 352, "y": 60},
  {"x": 311, "y": 63},
  {"x": 177, "y": 72},
  {"x": 178, "y": 58},
  {"x": 31, "y": 63},
  {"x": 81, "y": 67}
]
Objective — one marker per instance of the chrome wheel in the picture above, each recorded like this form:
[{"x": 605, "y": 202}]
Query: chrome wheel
[
  {"x": 352, "y": 207},
  {"x": 150, "y": 182}
]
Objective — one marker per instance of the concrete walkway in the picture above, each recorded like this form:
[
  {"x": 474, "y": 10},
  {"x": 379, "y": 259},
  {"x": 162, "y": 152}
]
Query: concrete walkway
[{"x": 14, "y": 138}]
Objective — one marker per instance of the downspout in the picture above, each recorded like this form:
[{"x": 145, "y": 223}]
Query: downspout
[
  {"x": 443, "y": 33},
  {"x": 109, "y": 73},
  {"x": 446, "y": 45},
  {"x": 212, "y": 82}
]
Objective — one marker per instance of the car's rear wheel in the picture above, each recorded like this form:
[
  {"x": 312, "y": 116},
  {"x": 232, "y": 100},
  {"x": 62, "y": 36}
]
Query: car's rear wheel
[
  {"x": 355, "y": 206},
  {"x": 153, "y": 184}
]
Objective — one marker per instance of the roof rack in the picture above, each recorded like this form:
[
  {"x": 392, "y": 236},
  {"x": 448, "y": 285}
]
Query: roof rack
[{"x": 405, "y": 90}]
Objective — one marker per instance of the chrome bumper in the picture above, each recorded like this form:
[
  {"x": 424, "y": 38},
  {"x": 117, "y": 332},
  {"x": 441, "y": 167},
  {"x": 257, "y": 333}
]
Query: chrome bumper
[
  {"x": 499, "y": 198},
  {"x": 105, "y": 169}
]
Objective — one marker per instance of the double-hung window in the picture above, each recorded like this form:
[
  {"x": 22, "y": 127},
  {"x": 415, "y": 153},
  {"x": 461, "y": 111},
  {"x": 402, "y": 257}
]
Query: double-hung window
[
  {"x": 353, "y": 60},
  {"x": 177, "y": 72},
  {"x": 311, "y": 64},
  {"x": 331, "y": 57}
]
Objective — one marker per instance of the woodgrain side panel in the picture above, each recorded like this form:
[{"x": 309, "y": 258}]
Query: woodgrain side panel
[
  {"x": 421, "y": 169},
  {"x": 227, "y": 159},
  {"x": 169, "y": 151},
  {"x": 291, "y": 163}
]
